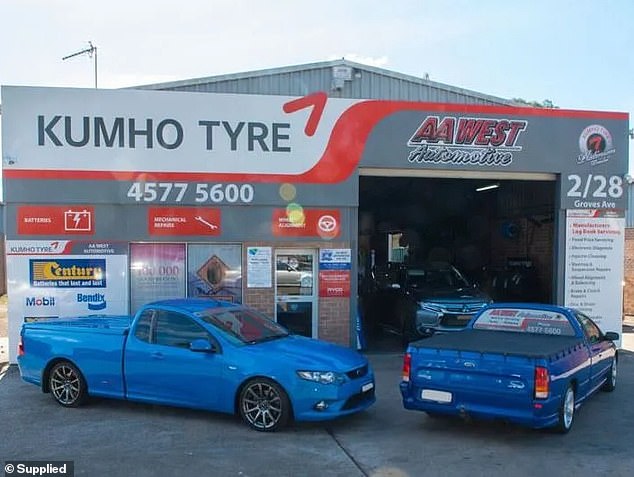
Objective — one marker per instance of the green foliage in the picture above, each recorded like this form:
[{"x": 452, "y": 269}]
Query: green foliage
[{"x": 547, "y": 103}]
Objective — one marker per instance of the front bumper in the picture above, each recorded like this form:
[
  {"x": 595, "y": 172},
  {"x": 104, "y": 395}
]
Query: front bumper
[
  {"x": 348, "y": 398},
  {"x": 428, "y": 322}
]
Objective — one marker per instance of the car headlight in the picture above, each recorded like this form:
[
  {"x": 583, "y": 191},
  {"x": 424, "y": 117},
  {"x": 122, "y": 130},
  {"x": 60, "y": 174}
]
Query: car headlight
[
  {"x": 323, "y": 377},
  {"x": 430, "y": 307}
]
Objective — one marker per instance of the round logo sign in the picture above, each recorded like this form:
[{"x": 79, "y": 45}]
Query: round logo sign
[
  {"x": 327, "y": 224},
  {"x": 595, "y": 142}
]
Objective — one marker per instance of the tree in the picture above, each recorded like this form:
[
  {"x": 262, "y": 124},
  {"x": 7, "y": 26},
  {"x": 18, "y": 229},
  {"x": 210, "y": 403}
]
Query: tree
[{"x": 547, "y": 103}]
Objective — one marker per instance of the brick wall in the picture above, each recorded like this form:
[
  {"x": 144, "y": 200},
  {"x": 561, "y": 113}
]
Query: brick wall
[
  {"x": 334, "y": 320},
  {"x": 333, "y": 313},
  {"x": 628, "y": 290}
]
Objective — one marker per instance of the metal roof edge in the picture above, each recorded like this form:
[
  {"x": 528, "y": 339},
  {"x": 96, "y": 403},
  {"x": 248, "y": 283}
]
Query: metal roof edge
[
  {"x": 323, "y": 64},
  {"x": 239, "y": 75}
]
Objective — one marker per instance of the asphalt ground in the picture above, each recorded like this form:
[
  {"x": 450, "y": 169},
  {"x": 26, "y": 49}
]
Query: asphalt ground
[{"x": 117, "y": 438}]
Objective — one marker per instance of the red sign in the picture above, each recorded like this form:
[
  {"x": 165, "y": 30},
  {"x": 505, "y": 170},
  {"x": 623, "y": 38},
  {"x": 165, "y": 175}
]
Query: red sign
[
  {"x": 183, "y": 221},
  {"x": 56, "y": 220},
  {"x": 306, "y": 223},
  {"x": 334, "y": 283}
]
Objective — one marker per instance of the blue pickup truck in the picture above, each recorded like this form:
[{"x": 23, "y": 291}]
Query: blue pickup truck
[
  {"x": 197, "y": 353},
  {"x": 529, "y": 364}
]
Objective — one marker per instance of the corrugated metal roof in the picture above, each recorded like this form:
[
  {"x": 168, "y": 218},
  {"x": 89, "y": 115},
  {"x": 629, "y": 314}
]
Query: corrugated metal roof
[{"x": 368, "y": 82}]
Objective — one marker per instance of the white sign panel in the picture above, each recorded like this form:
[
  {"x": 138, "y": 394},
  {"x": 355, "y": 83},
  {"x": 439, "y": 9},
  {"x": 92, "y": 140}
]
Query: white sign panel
[
  {"x": 595, "y": 241},
  {"x": 90, "y": 131},
  {"x": 259, "y": 266},
  {"x": 59, "y": 282},
  {"x": 335, "y": 258}
]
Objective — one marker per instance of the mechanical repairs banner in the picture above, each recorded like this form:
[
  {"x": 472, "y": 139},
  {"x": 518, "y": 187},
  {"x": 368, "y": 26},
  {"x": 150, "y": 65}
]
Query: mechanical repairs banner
[
  {"x": 56, "y": 279},
  {"x": 595, "y": 242},
  {"x": 157, "y": 272}
]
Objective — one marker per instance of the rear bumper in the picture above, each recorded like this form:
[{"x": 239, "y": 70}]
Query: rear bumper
[
  {"x": 29, "y": 371},
  {"x": 527, "y": 415}
]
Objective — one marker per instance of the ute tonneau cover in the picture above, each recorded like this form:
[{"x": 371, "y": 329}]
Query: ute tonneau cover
[
  {"x": 500, "y": 342},
  {"x": 113, "y": 323}
]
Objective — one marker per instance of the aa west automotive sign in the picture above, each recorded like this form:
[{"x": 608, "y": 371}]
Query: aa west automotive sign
[{"x": 224, "y": 149}]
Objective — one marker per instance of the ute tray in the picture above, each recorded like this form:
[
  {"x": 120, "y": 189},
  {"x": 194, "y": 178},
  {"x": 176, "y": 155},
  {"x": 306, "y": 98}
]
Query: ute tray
[{"x": 500, "y": 342}]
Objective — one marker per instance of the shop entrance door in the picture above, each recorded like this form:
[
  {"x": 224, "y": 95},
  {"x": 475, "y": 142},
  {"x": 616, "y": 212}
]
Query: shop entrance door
[{"x": 296, "y": 290}]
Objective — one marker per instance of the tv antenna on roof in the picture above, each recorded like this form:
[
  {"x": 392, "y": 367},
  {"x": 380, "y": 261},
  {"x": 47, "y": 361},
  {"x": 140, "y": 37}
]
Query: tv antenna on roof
[{"x": 90, "y": 51}]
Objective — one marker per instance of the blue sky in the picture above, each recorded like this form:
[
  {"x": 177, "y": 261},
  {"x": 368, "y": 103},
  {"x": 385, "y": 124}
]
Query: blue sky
[{"x": 577, "y": 53}]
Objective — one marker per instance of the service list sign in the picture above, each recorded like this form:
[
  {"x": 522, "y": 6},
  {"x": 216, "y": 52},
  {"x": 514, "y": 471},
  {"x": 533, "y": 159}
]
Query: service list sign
[{"x": 595, "y": 241}]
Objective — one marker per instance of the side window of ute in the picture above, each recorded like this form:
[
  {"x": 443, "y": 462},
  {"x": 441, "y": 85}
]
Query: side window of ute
[
  {"x": 592, "y": 331},
  {"x": 175, "y": 329},
  {"x": 142, "y": 329}
]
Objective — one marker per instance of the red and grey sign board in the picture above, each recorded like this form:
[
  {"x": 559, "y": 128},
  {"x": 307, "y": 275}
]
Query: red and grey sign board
[
  {"x": 56, "y": 220},
  {"x": 184, "y": 221},
  {"x": 324, "y": 223},
  {"x": 334, "y": 283}
]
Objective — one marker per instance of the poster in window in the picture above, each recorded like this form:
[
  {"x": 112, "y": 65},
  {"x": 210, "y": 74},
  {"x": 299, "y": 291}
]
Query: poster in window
[
  {"x": 157, "y": 272},
  {"x": 215, "y": 271}
]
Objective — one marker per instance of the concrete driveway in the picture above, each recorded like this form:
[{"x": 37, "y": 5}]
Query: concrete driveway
[{"x": 125, "y": 439}]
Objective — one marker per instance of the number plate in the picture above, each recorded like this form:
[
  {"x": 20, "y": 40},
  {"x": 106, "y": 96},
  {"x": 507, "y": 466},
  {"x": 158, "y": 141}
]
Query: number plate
[
  {"x": 437, "y": 396},
  {"x": 464, "y": 317},
  {"x": 367, "y": 387}
]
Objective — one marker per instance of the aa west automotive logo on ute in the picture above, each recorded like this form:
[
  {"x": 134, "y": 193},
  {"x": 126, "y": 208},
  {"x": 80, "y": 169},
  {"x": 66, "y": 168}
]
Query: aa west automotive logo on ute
[
  {"x": 68, "y": 273},
  {"x": 466, "y": 141}
]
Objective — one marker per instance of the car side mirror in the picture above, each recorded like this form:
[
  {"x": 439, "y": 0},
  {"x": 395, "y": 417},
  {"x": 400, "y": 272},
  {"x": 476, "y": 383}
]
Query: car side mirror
[
  {"x": 202, "y": 346},
  {"x": 611, "y": 336}
]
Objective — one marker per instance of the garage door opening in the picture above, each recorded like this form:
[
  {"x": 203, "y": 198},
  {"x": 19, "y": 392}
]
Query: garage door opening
[{"x": 440, "y": 248}]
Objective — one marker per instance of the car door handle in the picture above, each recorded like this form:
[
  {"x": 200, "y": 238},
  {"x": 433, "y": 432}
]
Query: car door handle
[{"x": 157, "y": 355}]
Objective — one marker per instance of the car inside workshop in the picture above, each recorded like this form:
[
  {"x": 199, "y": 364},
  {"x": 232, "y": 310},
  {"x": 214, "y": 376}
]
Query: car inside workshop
[{"x": 434, "y": 251}]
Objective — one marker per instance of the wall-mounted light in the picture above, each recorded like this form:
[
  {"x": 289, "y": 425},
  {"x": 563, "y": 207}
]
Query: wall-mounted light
[{"x": 488, "y": 187}]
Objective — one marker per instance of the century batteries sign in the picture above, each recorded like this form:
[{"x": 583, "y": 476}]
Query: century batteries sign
[
  {"x": 64, "y": 278},
  {"x": 67, "y": 273}
]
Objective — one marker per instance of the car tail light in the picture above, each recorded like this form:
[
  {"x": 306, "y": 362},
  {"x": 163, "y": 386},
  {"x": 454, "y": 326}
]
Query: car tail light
[
  {"x": 407, "y": 367},
  {"x": 21, "y": 347},
  {"x": 542, "y": 383}
]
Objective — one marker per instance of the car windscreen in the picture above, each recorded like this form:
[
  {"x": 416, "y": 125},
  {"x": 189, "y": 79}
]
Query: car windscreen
[
  {"x": 246, "y": 326},
  {"x": 436, "y": 278},
  {"x": 524, "y": 320}
]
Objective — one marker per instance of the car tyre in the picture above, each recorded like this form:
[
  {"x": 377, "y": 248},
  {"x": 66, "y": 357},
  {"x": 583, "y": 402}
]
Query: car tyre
[
  {"x": 610, "y": 383},
  {"x": 566, "y": 411},
  {"x": 67, "y": 384},
  {"x": 264, "y": 405}
]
